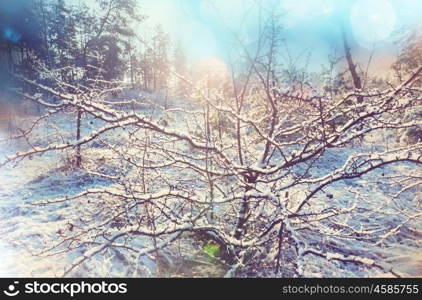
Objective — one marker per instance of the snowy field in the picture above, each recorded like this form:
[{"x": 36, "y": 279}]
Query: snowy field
[{"x": 25, "y": 227}]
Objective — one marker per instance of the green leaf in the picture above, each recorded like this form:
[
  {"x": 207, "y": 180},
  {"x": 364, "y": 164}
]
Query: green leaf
[{"x": 212, "y": 250}]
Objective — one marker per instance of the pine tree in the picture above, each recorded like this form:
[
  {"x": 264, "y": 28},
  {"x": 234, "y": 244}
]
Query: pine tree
[
  {"x": 63, "y": 40},
  {"x": 103, "y": 52}
]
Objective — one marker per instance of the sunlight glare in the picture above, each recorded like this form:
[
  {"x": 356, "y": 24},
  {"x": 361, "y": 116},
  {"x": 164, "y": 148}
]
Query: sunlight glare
[
  {"x": 372, "y": 21},
  {"x": 212, "y": 69}
]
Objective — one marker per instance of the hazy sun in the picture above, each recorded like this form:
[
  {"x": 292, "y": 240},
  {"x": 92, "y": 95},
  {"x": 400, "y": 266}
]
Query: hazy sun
[{"x": 212, "y": 68}]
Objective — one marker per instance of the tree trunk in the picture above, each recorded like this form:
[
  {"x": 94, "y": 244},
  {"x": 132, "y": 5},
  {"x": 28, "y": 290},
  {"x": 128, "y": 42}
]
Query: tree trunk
[
  {"x": 78, "y": 137},
  {"x": 357, "y": 83},
  {"x": 243, "y": 213}
]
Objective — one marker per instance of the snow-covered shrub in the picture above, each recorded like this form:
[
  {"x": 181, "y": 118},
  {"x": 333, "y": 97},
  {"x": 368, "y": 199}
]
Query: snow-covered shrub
[{"x": 413, "y": 134}]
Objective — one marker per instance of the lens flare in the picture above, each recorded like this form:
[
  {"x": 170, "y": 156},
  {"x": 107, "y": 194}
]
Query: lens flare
[
  {"x": 372, "y": 21},
  {"x": 11, "y": 35}
]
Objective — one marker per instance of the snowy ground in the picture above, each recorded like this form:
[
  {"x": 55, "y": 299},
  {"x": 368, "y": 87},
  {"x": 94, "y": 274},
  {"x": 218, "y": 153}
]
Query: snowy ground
[
  {"x": 23, "y": 225},
  {"x": 402, "y": 252}
]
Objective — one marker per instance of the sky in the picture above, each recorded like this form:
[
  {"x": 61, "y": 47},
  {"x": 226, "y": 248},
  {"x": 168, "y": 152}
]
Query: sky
[{"x": 206, "y": 28}]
